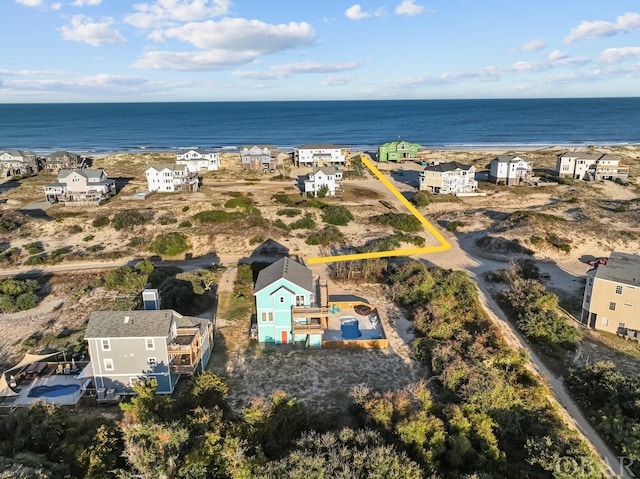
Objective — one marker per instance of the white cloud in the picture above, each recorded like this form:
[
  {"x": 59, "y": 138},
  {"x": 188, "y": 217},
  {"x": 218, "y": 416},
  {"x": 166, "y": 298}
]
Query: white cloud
[
  {"x": 239, "y": 34},
  {"x": 615, "y": 55},
  {"x": 194, "y": 61},
  {"x": 597, "y": 29},
  {"x": 530, "y": 46},
  {"x": 31, "y": 73},
  {"x": 30, "y": 3},
  {"x": 285, "y": 70},
  {"x": 56, "y": 6},
  {"x": 355, "y": 12},
  {"x": 164, "y": 12},
  {"x": 556, "y": 55},
  {"x": 82, "y": 3},
  {"x": 335, "y": 80},
  {"x": 86, "y": 30},
  {"x": 409, "y": 7}
]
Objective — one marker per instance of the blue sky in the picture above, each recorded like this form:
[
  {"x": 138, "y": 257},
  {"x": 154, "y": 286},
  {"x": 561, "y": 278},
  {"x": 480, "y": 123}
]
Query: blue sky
[{"x": 220, "y": 50}]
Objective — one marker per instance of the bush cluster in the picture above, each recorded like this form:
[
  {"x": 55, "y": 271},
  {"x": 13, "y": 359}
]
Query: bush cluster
[
  {"x": 18, "y": 295},
  {"x": 399, "y": 221},
  {"x": 169, "y": 244}
]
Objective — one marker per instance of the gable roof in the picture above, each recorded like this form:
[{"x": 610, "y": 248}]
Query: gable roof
[
  {"x": 288, "y": 269},
  {"x": 197, "y": 150},
  {"x": 327, "y": 170},
  {"x": 621, "y": 268},
  {"x": 141, "y": 324},
  {"x": 321, "y": 146},
  {"x": 510, "y": 158},
  {"x": 167, "y": 166},
  {"x": 449, "y": 166},
  {"x": 62, "y": 154},
  {"x": 86, "y": 172}
]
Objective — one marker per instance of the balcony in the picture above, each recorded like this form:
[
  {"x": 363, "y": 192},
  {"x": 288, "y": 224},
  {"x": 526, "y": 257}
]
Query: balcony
[{"x": 185, "y": 351}]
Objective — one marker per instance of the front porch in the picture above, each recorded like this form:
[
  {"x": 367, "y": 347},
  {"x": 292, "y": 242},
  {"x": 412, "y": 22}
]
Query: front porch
[{"x": 185, "y": 351}]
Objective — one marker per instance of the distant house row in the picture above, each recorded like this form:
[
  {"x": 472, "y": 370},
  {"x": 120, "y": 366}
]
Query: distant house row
[{"x": 18, "y": 162}]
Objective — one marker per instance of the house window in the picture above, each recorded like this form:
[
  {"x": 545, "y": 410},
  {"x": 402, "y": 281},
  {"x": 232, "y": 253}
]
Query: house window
[
  {"x": 605, "y": 321},
  {"x": 152, "y": 362},
  {"x": 299, "y": 300},
  {"x": 108, "y": 364},
  {"x": 590, "y": 281},
  {"x": 281, "y": 299},
  {"x": 134, "y": 380},
  {"x": 621, "y": 325},
  {"x": 588, "y": 299},
  {"x": 612, "y": 306},
  {"x": 266, "y": 316},
  {"x": 150, "y": 343},
  {"x": 618, "y": 289},
  {"x": 106, "y": 345}
]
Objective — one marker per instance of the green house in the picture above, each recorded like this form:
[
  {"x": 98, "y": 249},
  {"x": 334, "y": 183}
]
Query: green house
[
  {"x": 290, "y": 304},
  {"x": 398, "y": 151}
]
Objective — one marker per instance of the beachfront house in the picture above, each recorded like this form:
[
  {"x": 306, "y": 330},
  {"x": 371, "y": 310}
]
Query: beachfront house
[
  {"x": 259, "y": 158},
  {"x": 59, "y": 160},
  {"x": 199, "y": 160},
  {"x": 448, "y": 178},
  {"x": 511, "y": 170},
  {"x": 129, "y": 346},
  {"x": 590, "y": 167},
  {"x": 80, "y": 185},
  {"x": 321, "y": 155},
  {"x": 17, "y": 163},
  {"x": 398, "y": 151},
  {"x": 611, "y": 300},
  {"x": 168, "y": 178},
  {"x": 327, "y": 180},
  {"x": 291, "y": 305}
]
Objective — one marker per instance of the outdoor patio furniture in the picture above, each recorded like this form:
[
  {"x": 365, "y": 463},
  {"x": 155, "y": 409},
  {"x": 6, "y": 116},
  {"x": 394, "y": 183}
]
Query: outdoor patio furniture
[{"x": 60, "y": 369}]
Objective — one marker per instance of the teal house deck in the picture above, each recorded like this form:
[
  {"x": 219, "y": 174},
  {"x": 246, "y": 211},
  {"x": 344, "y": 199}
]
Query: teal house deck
[{"x": 291, "y": 305}]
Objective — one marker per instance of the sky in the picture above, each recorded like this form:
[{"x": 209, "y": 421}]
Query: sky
[{"x": 266, "y": 50}]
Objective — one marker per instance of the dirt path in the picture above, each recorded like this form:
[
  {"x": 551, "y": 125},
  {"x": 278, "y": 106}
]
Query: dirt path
[{"x": 459, "y": 258}]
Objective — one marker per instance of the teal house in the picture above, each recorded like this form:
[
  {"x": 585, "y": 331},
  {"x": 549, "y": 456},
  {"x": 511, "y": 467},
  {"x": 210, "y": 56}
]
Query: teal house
[
  {"x": 398, "y": 151},
  {"x": 291, "y": 305}
]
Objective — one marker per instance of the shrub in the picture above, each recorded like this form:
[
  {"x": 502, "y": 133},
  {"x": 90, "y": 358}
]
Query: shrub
[
  {"x": 243, "y": 285},
  {"x": 100, "y": 221},
  {"x": 8, "y": 224},
  {"x": 95, "y": 248},
  {"x": 18, "y": 295},
  {"x": 329, "y": 234},
  {"x": 240, "y": 202},
  {"x": 135, "y": 242},
  {"x": 256, "y": 239},
  {"x": 421, "y": 198},
  {"x": 185, "y": 208},
  {"x": 128, "y": 219},
  {"x": 454, "y": 225},
  {"x": 283, "y": 199},
  {"x": 170, "y": 244},
  {"x": 323, "y": 191},
  {"x": 35, "y": 260},
  {"x": 185, "y": 224},
  {"x": 399, "y": 221},
  {"x": 167, "y": 220},
  {"x": 305, "y": 223},
  {"x": 281, "y": 224},
  {"x": 336, "y": 215},
  {"x": 289, "y": 212},
  {"x": 217, "y": 216},
  {"x": 75, "y": 229},
  {"x": 34, "y": 248},
  {"x": 88, "y": 238}
]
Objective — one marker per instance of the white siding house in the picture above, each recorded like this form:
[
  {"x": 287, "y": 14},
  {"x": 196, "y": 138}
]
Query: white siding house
[
  {"x": 590, "y": 167},
  {"x": 321, "y": 155},
  {"x": 80, "y": 185},
  {"x": 199, "y": 160},
  {"x": 510, "y": 170},
  {"x": 329, "y": 176},
  {"x": 169, "y": 178},
  {"x": 448, "y": 178}
]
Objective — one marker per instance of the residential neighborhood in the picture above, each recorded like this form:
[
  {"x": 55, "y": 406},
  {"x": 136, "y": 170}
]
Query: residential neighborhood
[
  {"x": 259, "y": 158},
  {"x": 511, "y": 170},
  {"x": 314, "y": 155},
  {"x": 591, "y": 167},
  {"x": 197, "y": 160}
]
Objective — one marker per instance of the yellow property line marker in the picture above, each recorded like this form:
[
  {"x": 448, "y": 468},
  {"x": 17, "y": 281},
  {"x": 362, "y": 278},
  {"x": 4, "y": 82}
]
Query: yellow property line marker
[{"x": 443, "y": 246}]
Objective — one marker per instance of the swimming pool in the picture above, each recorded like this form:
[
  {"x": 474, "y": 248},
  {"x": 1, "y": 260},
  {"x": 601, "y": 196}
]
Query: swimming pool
[{"x": 53, "y": 391}]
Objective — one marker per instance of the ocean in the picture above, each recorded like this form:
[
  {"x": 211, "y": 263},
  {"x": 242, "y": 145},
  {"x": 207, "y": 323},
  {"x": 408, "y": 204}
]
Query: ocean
[{"x": 448, "y": 124}]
